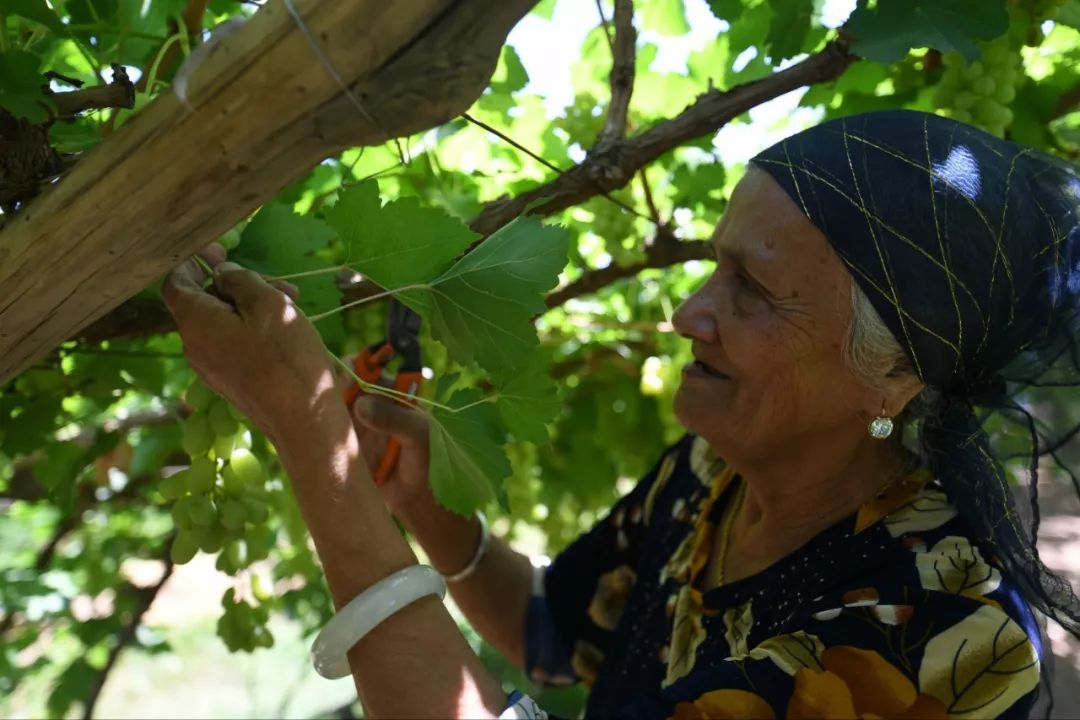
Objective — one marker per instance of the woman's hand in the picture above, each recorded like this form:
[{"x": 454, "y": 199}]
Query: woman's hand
[
  {"x": 249, "y": 342},
  {"x": 376, "y": 420}
]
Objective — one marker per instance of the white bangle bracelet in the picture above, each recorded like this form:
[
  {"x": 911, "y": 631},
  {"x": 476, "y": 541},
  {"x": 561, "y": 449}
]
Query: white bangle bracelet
[
  {"x": 368, "y": 609},
  {"x": 481, "y": 551}
]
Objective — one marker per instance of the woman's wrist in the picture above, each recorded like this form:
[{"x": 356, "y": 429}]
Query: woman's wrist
[
  {"x": 478, "y": 555},
  {"x": 418, "y": 507},
  {"x": 330, "y": 479},
  {"x": 449, "y": 540},
  {"x": 356, "y": 540},
  {"x": 313, "y": 424}
]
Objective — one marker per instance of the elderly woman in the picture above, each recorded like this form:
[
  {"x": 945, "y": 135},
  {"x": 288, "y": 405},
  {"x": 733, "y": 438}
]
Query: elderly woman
[{"x": 791, "y": 556}]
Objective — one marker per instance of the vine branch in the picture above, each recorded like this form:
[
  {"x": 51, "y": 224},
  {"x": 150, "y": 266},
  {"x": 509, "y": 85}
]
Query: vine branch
[
  {"x": 657, "y": 255},
  {"x": 649, "y": 201},
  {"x": 611, "y": 166},
  {"x": 138, "y": 317},
  {"x": 145, "y": 598},
  {"x": 170, "y": 52},
  {"x": 546, "y": 163},
  {"x": 623, "y": 51},
  {"x": 192, "y": 26},
  {"x": 120, "y": 93}
]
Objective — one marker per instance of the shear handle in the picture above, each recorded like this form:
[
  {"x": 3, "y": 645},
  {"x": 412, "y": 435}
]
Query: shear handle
[
  {"x": 368, "y": 366},
  {"x": 407, "y": 382}
]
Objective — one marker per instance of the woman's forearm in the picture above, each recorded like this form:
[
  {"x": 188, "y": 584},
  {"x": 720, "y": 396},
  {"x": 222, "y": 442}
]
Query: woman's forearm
[
  {"x": 416, "y": 663},
  {"x": 495, "y": 597}
]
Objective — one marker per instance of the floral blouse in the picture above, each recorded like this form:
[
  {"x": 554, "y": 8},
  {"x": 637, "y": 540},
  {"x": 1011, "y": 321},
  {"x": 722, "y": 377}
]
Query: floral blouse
[{"x": 890, "y": 613}]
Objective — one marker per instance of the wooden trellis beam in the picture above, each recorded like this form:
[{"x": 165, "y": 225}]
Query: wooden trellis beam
[{"x": 262, "y": 109}]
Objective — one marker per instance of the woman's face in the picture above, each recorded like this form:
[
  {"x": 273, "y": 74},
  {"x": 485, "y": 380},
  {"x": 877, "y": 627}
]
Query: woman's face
[{"x": 768, "y": 331}]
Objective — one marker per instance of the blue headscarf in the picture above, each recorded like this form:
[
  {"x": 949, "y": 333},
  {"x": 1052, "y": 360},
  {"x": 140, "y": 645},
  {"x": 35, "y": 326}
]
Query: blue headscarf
[{"x": 968, "y": 247}]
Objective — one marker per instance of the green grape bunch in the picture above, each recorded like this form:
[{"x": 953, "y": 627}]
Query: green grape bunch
[
  {"x": 616, "y": 228},
  {"x": 582, "y": 121},
  {"x": 219, "y": 502},
  {"x": 242, "y": 626},
  {"x": 981, "y": 92}
]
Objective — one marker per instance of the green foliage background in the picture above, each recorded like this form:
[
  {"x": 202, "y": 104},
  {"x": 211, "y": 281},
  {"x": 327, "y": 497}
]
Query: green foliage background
[{"x": 86, "y": 434}]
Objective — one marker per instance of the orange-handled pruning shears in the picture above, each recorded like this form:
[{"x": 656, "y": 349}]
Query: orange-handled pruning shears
[{"x": 402, "y": 339}]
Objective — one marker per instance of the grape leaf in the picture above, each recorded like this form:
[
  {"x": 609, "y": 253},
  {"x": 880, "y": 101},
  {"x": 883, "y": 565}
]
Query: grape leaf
[
  {"x": 1069, "y": 14},
  {"x": 38, "y": 11},
  {"x": 545, "y": 9},
  {"x": 468, "y": 462},
  {"x": 527, "y": 403},
  {"x": 36, "y": 420},
  {"x": 153, "y": 448},
  {"x": 400, "y": 243},
  {"x": 84, "y": 12},
  {"x": 482, "y": 308},
  {"x": 146, "y": 374},
  {"x": 21, "y": 85},
  {"x": 667, "y": 17},
  {"x": 75, "y": 136},
  {"x": 75, "y": 683},
  {"x": 885, "y": 32},
  {"x": 58, "y": 469},
  {"x": 789, "y": 28},
  {"x": 510, "y": 75},
  {"x": 729, "y": 10},
  {"x": 277, "y": 241}
]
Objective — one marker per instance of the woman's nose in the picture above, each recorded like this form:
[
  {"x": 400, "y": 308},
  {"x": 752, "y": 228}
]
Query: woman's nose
[{"x": 696, "y": 317}]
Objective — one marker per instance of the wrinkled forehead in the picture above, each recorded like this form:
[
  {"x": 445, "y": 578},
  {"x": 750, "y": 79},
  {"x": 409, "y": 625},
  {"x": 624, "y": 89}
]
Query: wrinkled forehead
[
  {"x": 764, "y": 230},
  {"x": 760, "y": 206}
]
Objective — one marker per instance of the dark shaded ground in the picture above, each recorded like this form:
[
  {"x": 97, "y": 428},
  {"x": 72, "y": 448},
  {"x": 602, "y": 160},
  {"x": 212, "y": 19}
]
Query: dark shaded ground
[{"x": 1059, "y": 546}]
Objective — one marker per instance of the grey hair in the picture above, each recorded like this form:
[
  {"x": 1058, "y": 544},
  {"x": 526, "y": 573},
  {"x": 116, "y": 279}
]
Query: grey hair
[{"x": 874, "y": 354}]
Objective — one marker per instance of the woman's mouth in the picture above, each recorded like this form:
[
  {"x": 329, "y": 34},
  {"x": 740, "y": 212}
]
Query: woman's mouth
[{"x": 700, "y": 369}]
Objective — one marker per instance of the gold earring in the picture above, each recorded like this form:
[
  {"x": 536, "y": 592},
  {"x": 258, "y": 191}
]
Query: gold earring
[{"x": 881, "y": 427}]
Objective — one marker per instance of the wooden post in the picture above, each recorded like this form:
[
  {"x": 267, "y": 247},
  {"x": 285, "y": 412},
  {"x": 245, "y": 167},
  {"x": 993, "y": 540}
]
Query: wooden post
[{"x": 262, "y": 109}]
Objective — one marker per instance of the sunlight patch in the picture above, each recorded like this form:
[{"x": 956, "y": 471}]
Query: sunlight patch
[{"x": 961, "y": 172}]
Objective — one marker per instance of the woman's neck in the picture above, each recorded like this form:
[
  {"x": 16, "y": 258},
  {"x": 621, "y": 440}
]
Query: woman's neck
[{"x": 792, "y": 497}]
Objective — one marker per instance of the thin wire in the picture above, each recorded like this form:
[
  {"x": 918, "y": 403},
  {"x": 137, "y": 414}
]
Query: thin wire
[
  {"x": 607, "y": 28},
  {"x": 510, "y": 141},
  {"x": 325, "y": 60}
]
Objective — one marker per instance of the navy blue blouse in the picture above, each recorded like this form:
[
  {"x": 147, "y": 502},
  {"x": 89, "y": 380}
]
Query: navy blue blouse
[{"x": 892, "y": 612}]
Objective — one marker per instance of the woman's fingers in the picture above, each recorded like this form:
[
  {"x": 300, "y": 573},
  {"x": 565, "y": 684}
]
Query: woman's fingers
[
  {"x": 185, "y": 297},
  {"x": 247, "y": 290},
  {"x": 287, "y": 287},
  {"x": 407, "y": 424},
  {"x": 214, "y": 254},
  {"x": 192, "y": 272}
]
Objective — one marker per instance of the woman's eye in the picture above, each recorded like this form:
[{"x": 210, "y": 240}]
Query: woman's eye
[{"x": 750, "y": 296}]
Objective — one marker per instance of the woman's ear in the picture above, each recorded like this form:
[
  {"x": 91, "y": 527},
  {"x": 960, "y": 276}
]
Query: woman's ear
[{"x": 899, "y": 391}]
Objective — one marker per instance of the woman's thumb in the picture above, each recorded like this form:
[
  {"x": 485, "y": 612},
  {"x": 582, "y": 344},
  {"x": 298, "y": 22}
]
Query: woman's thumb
[{"x": 407, "y": 424}]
